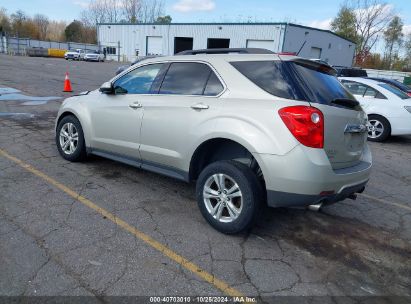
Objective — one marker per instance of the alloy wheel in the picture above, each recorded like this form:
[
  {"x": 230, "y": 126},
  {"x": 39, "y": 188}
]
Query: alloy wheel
[
  {"x": 223, "y": 198},
  {"x": 68, "y": 138},
  {"x": 375, "y": 128}
]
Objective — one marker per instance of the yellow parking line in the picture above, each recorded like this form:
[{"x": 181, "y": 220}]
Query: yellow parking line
[
  {"x": 208, "y": 277},
  {"x": 384, "y": 201}
]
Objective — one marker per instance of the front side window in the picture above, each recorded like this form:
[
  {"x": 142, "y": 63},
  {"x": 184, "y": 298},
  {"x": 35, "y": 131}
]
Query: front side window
[
  {"x": 190, "y": 78},
  {"x": 138, "y": 81}
]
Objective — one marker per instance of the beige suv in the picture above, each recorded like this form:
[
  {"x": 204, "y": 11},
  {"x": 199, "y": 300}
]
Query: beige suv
[{"x": 249, "y": 129}]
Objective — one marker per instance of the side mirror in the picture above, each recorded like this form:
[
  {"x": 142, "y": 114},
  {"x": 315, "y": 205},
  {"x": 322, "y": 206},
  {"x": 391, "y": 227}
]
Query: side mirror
[{"x": 107, "y": 88}]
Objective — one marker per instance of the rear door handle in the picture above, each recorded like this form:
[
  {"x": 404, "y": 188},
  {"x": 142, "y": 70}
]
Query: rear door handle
[
  {"x": 200, "y": 106},
  {"x": 135, "y": 105}
]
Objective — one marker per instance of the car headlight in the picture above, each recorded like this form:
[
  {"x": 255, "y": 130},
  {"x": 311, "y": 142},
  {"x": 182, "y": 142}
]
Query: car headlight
[{"x": 408, "y": 108}]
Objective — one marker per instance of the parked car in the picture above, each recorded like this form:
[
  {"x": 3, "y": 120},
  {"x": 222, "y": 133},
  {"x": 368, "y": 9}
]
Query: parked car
[
  {"x": 350, "y": 71},
  {"x": 406, "y": 89},
  {"x": 248, "y": 129},
  {"x": 78, "y": 54},
  {"x": 125, "y": 67},
  {"x": 94, "y": 56},
  {"x": 388, "y": 108}
]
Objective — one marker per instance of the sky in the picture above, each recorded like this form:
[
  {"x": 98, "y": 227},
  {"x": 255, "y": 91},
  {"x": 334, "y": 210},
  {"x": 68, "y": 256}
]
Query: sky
[{"x": 316, "y": 13}]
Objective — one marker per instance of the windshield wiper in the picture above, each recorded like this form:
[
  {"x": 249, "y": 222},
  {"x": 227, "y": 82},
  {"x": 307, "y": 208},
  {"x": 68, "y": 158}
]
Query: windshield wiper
[{"x": 345, "y": 102}]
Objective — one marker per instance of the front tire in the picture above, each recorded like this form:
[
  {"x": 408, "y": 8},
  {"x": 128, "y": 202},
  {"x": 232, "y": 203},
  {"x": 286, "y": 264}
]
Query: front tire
[
  {"x": 379, "y": 128},
  {"x": 229, "y": 196},
  {"x": 70, "y": 139}
]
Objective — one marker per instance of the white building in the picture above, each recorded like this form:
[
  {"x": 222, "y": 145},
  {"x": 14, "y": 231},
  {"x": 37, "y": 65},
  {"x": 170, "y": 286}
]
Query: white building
[{"x": 126, "y": 42}]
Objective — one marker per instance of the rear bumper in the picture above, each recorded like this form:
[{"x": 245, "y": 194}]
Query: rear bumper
[
  {"x": 277, "y": 199},
  {"x": 304, "y": 177}
]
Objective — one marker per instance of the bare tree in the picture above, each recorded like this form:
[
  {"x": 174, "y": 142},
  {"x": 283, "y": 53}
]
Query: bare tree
[
  {"x": 55, "y": 30},
  {"x": 100, "y": 11},
  {"x": 132, "y": 10},
  {"x": 42, "y": 23},
  {"x": 372, "y": 17}
]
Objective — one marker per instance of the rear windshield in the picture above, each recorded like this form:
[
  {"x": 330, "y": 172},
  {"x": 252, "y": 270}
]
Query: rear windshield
[
  {"x": 294, "y": 80},
  {"x": 394, "y": 90}
]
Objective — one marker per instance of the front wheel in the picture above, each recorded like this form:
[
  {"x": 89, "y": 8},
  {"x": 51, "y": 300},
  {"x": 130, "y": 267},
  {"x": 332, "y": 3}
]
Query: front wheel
[
  {"x": 379, "y": 128},
  {"x": 70, "y": 139},
  {"x": 229, "y": 196}
]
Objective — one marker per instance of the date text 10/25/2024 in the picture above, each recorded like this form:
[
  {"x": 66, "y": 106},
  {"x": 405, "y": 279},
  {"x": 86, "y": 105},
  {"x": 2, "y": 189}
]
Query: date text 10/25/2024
[{"x": 202, "y": 299}]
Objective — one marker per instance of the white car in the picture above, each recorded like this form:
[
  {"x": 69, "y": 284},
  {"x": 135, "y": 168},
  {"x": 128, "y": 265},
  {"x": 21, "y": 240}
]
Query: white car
[
  {"x": 388, "y": 108},
  {"x": 94, "y": 56},
  {"x": 77, "y": 54}
]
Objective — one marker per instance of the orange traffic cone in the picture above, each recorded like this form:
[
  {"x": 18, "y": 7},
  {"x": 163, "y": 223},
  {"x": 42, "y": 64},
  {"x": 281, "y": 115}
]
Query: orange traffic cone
[{"x": 67, "y": 84}]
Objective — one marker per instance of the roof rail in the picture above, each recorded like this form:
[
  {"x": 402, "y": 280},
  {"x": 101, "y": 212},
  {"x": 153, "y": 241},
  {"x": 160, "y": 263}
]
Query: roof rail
[{"x": 226, "y": 51}]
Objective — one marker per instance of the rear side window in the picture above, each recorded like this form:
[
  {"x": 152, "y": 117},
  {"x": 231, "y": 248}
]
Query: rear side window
[
  {"x": 394, "y": 90},
  {"x": 214, "y": 86},
  {"x": 190, "y": 78},
  {"x": 363, "y": 90},
  {"x": 271, "y": 76}
]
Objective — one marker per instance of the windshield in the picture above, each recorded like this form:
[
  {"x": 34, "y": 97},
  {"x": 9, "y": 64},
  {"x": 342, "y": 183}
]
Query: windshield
[{"x": 394, "y": 90}]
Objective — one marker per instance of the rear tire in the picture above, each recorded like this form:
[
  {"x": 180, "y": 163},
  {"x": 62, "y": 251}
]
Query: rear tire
[
  {"x": 229, "y": 196},
  {"x": 379, "y": 128},
  {"x": 70, "y": 139}
]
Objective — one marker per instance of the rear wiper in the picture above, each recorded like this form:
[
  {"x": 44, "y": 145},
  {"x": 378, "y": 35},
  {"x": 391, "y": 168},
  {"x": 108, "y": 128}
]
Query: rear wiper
[{"x": 345, "y": 102}]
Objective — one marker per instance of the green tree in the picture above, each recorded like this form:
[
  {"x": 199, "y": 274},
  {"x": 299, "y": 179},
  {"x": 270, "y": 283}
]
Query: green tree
[
  {"x": 407, "y": 47},
  {"x": 393, "y": 39},
  {"x": 164, "y": 19},
  {"x": 344, "y": 23},
  {"x": 74, "y": 31}
]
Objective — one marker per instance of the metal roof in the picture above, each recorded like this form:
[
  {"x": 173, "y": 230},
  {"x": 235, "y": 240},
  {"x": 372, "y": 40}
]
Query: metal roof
[{"x": 249, "y": 24}]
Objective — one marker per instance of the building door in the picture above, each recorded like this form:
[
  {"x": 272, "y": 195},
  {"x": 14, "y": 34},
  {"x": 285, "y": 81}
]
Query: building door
[
  {"x": 315, "y": 53},
  {"x": 182, "y": 44},
  {"x": 218, "y": 43},
  {"x": 261, "y": 44},
  {"x": 154, "y": 45}
]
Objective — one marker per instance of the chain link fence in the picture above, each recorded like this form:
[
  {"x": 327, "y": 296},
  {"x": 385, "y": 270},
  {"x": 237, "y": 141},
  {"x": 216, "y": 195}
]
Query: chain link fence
[{"x": 26, "y": 46}]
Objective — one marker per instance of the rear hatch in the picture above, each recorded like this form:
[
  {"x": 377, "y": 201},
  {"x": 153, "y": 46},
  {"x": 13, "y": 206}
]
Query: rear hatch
[
  {"x": 345, "y": 133},
  {"x": 294, "y": 78}
]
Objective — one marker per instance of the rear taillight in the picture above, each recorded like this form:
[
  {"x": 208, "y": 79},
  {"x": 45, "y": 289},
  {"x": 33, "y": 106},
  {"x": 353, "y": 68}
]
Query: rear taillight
[
  {"x": 409, "y": 94},
  {"x": 306, "y": 124}
]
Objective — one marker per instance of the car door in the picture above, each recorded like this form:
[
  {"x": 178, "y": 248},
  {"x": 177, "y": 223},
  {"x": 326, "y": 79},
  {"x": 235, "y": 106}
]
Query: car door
[
  {"x": 116, "y": 118},
  {"x": 186, "y": 104}
]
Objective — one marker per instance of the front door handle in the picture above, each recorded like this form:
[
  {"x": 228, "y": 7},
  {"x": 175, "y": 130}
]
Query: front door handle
[
  {"x": 200, "y": 106},
  {"x": 135, "y": 105}
]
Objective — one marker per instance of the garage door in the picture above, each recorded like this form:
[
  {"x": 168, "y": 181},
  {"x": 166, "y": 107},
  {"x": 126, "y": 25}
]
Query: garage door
[
  {"x": 315, "y": 53},
  {"x": 262, "y": 44},
  {"x": 154, "y": 45}
]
